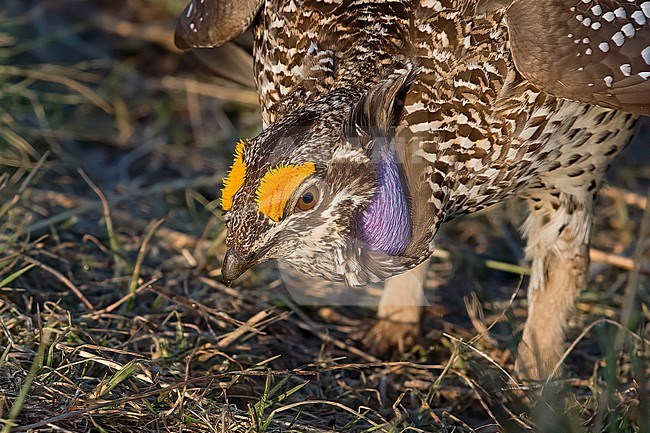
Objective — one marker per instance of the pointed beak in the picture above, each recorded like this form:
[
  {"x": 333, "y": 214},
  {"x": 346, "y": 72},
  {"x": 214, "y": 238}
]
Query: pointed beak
[
  {"x": 234, "y": 265},
  {"x": 180, "y": 42}
]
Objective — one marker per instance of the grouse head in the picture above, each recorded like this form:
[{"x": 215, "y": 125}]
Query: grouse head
[{"x": 323, "y": 189}]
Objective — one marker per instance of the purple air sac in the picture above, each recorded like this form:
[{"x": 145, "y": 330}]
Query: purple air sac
[{"x": 385, "y": 225}]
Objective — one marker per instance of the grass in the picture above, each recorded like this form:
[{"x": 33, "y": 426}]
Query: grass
[{"x": 112, "y": 316}]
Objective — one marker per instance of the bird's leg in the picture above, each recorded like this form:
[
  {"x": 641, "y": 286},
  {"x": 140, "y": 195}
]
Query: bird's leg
[
  {"x": 399, "y": 311},
  {"x": 558, "y": 230}
]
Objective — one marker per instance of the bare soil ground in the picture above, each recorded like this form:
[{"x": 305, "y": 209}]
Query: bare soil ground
[{"x": 112, "y": 314}]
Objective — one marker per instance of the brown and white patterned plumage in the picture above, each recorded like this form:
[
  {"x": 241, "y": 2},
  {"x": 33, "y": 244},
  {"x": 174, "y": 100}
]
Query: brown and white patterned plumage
[{"x": 476, "y": 101}]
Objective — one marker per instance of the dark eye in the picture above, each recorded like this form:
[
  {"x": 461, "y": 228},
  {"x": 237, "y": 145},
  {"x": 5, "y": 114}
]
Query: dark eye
[{"x": 308, "y": 199}]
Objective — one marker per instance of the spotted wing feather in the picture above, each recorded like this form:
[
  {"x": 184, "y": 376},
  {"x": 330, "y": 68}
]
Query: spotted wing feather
[
  {"x": 593, "y": 51},
  {"x": 212, "y": 23}
]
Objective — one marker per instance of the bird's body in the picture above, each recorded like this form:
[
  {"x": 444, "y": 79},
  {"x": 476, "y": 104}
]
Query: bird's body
[
  {"x": 414, "y": 112},
  {"x": 480, "y": 130}
]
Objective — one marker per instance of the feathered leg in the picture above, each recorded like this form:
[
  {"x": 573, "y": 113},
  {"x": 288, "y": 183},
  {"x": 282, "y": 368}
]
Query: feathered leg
[{"x": 557, "y": 230}]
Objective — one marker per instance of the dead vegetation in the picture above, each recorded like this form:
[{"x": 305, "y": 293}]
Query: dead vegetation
[{"x": 112, "y": 316}]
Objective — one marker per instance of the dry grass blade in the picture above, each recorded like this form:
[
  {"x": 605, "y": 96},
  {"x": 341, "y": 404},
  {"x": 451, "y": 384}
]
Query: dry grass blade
[
  {"x": 161, "y": 35},
  {"x": 151, "y": 230},
  {"x": 619, "y": 261},
  {"x": 62, "y": 278},
  {"x": 249, "y": 326},
  {"x": 57, "y": 75},
  {"x": 116, "y": 248},
  {"x": 115, "y": 305},
  {"x": 240, "y": 96}
]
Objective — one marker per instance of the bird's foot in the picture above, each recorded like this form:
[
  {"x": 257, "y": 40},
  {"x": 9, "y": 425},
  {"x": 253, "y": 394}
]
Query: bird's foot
[{"x": 395, "y": 333}]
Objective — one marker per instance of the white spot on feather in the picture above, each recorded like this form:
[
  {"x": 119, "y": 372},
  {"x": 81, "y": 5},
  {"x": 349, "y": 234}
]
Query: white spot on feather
[
  {"x": 604, "y": 47},
  {"x": 620, "y": 12},
  {"x": 609, "y": 16},
  {"x": 608, "y": 80},
  {"x": 645, "y": 7},
  {"x": 628, "y": 29},
  {"x": 639, "y": 17},
  {"x": 646, "y": 55},
  {"x": 436, "y": 5},
  {"x": 626, "y": 69},
  {"x": 597, "y": 10},
  {"x": 618, "y": 38}
]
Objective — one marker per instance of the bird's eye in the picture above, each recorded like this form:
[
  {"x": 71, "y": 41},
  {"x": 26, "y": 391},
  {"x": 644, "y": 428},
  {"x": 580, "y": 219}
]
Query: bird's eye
[{"x": 308, "y": 199}]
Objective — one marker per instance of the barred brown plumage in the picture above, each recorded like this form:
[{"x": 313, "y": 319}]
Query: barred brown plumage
[{"x": 415, "y": 112}]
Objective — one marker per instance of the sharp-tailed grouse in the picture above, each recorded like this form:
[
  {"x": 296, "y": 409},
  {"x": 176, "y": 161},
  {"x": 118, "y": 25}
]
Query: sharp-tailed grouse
[{"x": 385, "y": 119}]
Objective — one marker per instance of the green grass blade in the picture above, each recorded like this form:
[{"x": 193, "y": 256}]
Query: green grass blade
[{"x": 15, "y": 275}]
